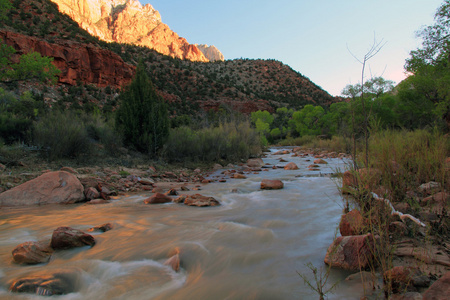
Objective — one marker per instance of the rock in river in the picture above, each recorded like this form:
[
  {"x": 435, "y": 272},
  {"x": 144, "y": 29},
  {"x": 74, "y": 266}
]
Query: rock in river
[
  {"x": 66, "y": 238},
  {"x": 267, "y": 184},
  {"x": 200, "y": 200},
  {"x": 32, "y": 253}
]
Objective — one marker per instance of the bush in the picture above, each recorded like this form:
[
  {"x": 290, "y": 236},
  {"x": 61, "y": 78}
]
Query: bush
[
  {"x": 228, "y": 142},
  {"x": 62, "y": 135}
]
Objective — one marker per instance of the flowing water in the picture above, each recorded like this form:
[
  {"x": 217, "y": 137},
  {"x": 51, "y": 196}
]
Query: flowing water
[{"x": 250, "y": 247}]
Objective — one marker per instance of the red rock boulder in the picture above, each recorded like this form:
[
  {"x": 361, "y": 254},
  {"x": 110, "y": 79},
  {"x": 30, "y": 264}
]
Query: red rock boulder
[
  {"x": 200, "y": 200},
  {"x": 32, "y": 253},
  {"x": 291, "y": 166},
  {"x": 352, "y": 223},
  {"x": 440, "y": 290},
  {"x": 67, "y": 238},
  {"x": 255, "y": 163},
  {"x": 49, "y": 188},
  {"x": 158, "y": 198},
  {"x": 351, "y": 253},
  {"x": 268, "y": 184}
]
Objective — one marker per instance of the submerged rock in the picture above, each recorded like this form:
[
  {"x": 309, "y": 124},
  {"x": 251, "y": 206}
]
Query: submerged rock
[
  {"x": 32, "y": 253},
  {"x": 102, "y": 228},
  {"x": 67, "y": 237},
  {"x": 48, "y": 282}
]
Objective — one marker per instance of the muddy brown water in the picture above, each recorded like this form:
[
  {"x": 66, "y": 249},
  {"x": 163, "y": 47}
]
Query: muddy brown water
[{"x": 250, "y": 247}]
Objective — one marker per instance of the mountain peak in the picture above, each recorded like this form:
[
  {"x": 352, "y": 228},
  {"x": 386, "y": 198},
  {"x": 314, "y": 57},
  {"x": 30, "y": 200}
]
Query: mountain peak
[{"x": 127, "y": 21}]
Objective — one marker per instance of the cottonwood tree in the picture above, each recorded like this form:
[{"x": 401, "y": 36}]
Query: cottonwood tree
[
  {"x": 373, "y": 50},
  {"x": 142, "y": 116}
]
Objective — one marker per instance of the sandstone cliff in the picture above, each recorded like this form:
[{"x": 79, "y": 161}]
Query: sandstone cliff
[
  {"x": 78, "y": 62},
  {"x": 211, "y": 52},
  {"x": 127, "y": 21}
]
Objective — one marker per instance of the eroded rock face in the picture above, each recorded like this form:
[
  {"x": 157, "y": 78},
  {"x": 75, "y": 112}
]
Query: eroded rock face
[
  {"x": 78, "y": 62},
  {"x": 49, "y": 188},
  {"x": 48, "y": 282},
  {"x": 32, "y": 253},
  {"x": 127, "y": 21},
  {"x": 211, "y": 52},
  {"x": 351, "y": 253},
  {"x": 67, "y": 237}
]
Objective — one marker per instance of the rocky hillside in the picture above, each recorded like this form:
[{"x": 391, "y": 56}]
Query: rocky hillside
[
  {"x": 244, "y": 85},
  {"x": 127, "y": 21}
]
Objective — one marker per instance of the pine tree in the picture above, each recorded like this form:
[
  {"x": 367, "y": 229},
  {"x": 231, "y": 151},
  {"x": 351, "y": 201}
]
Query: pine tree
[{"x": 142, "y": 116}]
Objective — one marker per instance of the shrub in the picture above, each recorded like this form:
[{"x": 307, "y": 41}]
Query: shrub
[
  {"x": 228, "y": 142},
  {"x": 62, "y": 135}
]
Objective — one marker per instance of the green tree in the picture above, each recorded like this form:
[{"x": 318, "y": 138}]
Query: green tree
[
  {"x": 308, "y": 120},
  {"x": 142, "y": 116},
  {"x": 30, "y": 66},
  {"x": 5, "y": 5},
  {"x": 430, "y": 65}
]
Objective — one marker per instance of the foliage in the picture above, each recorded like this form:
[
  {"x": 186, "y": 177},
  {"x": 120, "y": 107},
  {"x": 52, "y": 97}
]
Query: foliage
[
  {"x": 62, "y": 135},
  {"x": 308, "y": 120},
  {"x": 30, "y": 66},
  {"x": 5, "y": 6},
  {"x": 228, "y": 142},
  {"x": 142, "y": 115}
]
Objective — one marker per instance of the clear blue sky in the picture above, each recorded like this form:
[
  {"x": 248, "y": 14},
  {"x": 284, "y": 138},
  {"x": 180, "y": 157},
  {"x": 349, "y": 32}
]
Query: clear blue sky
[{"x": 311, "y": 36}]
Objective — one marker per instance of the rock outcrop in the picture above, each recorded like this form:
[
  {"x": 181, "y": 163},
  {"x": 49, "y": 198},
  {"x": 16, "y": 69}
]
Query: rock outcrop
[
  {"x": 211, "y": 52},
  {"x": 49, "y": 188},
  {"x": 127, "y": 21},
  {"x": 78, "y": 62}
]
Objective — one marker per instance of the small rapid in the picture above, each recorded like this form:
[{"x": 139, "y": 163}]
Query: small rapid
[{"x": 250, "y": 247}]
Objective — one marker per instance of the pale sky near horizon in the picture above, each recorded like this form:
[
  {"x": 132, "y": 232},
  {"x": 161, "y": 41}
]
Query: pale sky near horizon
[{"x": 311, "y": 36}]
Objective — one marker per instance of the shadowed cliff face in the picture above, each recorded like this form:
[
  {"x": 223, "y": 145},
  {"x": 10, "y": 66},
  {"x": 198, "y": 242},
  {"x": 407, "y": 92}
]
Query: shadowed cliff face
[
  {"x": 127, "y": 21},
  {"x": 78, "y": 62}
]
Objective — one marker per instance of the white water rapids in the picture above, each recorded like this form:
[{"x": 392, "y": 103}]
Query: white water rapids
[{"x": 250, "y": 247}]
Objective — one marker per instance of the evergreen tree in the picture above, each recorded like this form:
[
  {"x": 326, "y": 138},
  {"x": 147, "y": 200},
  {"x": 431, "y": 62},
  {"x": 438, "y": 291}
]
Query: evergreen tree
[{"x": 142, "y": 116}]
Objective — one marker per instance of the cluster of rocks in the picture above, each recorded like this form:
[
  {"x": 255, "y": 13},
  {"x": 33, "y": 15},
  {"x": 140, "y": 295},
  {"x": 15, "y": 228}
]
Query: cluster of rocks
[{"x": 415, "y": 263}]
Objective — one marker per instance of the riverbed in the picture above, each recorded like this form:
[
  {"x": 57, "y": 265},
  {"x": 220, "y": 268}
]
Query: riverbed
[{"x": 251, "y": 247}]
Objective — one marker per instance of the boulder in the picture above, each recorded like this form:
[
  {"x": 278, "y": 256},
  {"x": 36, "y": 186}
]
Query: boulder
[
  {"x": 200, "y": 200},
  {"x": 441, "y": 198},
  {"x": 146, "y": 181},
  {"x": 102, "y": 228},
  {"x": 180, "y": 199},
  {"x": 291, "y": 166},
  {"x": 48, "y": 282},
  {"x": 171, "y": 192},
  {"x": 32, "y": 253},
  {"x": 429, "y": 187},
  {"x": 268, "y": 184},
  {"x": 255, "y": 163},
  {"x": 158, "y": 198},
  {"x": 91, "y": 193},
  {"x": 239, "y": 176},
  {"x": 49, "y": 188},
  {"x": 67, "y": 237},
  {"x": 440, "y": 289},
  {"x": 353, "y": 253},
  {"x": 320, "y": 162},
  {"x": 352, "y": 223}
]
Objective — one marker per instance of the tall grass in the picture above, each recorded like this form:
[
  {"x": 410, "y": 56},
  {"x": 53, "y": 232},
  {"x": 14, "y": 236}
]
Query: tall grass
[
  {"x": 408, "y": 159},
  {"x": 336, "y": 143},
  {"x": 228, "y": 142}
]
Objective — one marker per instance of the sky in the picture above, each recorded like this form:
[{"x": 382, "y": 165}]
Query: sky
[{"x": 314, "y": 37}]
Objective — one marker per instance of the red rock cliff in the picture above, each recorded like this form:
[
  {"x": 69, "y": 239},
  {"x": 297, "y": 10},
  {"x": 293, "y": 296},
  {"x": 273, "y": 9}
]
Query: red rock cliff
[
  {"x": 77, "y": 62},
  {"x": 127, "y": 21}
]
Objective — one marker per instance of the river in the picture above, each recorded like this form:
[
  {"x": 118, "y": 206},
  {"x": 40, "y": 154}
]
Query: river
[{"x": 250, "y": 247}]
